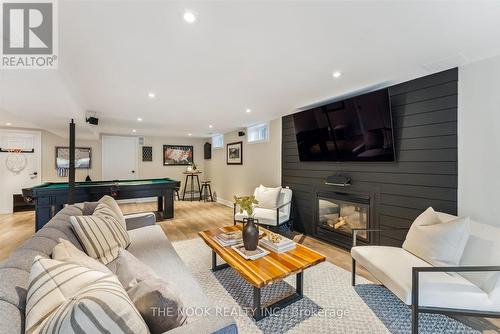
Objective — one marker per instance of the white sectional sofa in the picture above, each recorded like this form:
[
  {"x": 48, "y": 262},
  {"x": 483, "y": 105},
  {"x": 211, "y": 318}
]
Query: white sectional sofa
[{"x": 471, "y": 287}]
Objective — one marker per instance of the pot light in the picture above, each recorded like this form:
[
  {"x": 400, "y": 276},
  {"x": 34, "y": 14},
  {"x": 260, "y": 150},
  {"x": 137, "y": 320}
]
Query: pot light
[
  {"x": 8, "y": 124},
  {"x": 248, "y": 111},
  {"x": 134, "y": 130},
  {"x": 139, "y": 119},
  {"x": 190, "y": 134},
  {"x": 336, "y": 74},
  {"x": 151, "y": 95},
  {"x": 210, "y": 126},
  {"x": 189, "y": 17}
]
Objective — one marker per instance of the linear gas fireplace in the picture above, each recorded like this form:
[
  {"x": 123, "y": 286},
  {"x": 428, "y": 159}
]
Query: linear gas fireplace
[{"x": 339, "y": 213}]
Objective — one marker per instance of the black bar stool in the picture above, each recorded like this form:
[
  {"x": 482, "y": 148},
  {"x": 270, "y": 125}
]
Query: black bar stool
[
  {"x": 191, "y": 176},
  {"x": 206, "y": 191}
]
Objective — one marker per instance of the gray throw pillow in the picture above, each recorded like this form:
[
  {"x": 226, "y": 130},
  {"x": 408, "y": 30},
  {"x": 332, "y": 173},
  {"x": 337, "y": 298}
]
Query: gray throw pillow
[
  {"x": 159, "y": 305},
  {"x": 130, "y": 270}
]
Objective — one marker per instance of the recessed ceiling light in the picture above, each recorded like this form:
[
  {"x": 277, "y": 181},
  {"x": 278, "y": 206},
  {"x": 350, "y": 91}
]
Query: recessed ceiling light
[
  {"x": 190, "y": 134},
  {"x": 210, "y": 126},
  {"x": 248, "y": 111},
  {"x": 139, "y": 119},
  {"x": 189, "y": 17},
  {"x": 151, "y": 95},
  {"x": 8, "y": 124},
  {"x": 336, "y": 74},
  {"x": 134, "y": 130}
]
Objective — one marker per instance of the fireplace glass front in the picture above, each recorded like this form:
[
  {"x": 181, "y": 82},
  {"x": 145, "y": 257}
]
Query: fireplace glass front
[{"x": 342, "y": 216}]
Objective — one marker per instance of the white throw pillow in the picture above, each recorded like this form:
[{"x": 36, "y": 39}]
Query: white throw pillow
[
  {"x": 67, "y": 252},
  {"x": 101, "y": 235},
  {"x": 111, "y": 203},
  {"x": 68, "y": 298},
  {"x": 436, "y": 242},
  {"x": 267, "y": 197}
]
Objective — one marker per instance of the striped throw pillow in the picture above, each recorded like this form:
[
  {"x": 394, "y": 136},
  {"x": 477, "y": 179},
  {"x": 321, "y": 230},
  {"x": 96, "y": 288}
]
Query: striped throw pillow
[
  {"x": 101, "y": 234},
  {"x": 68, "y": 298}
]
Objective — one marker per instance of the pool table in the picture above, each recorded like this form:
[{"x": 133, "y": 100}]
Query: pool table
[{"x": 50, "y": 197}]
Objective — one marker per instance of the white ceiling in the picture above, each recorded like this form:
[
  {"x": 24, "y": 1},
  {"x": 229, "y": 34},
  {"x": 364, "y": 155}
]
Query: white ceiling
[{"x": 270, "y": 56}]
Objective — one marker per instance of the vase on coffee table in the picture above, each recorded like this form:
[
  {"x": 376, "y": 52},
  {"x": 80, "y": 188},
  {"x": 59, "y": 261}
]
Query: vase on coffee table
[{"x": 250, "y": 234}]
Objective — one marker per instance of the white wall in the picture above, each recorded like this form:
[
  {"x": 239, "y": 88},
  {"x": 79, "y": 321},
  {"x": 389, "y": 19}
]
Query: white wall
[
  {"x": 153, "y": 169},
  {"x": 261, "y": 165},
  {"x": 479, "y": 141}
]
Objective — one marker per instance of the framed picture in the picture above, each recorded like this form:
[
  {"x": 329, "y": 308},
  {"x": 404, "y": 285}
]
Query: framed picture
[
  {"x": 83, "y": 157},
  {"x": 177, "y": 155},
  {"x": 147, "y": 153},
  {"x": 234, "y": 154}
]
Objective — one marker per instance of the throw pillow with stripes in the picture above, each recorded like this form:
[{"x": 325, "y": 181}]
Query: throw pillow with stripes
[
  {"x": 101, "y": 234},
  {"x": 68, "y": 298}
]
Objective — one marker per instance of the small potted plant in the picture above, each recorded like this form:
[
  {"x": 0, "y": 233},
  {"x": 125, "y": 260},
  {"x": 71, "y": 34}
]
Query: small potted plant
[{"x": 250, "y": 229}]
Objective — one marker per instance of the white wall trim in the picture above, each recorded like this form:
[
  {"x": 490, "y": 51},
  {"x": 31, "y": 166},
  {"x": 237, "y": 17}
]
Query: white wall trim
[{"x": 224, "y": 202}]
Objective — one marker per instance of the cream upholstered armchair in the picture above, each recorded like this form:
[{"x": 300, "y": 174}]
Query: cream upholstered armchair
[
  {"x": 278, "y": 217},
  {"x": 441, "y": 268}
]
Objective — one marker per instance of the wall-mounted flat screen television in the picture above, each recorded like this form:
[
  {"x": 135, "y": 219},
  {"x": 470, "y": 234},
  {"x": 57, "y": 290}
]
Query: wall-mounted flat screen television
[{"x": 355, "y": 129}]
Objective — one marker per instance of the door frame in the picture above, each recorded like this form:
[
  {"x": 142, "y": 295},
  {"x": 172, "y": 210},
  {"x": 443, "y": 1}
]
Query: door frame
[{"x": 136, "y": 161}]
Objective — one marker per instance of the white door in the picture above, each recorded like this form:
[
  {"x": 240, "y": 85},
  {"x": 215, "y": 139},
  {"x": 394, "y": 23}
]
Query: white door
[
  {"x": 119, "y": 158},
  {"x": 18, "y": 170}
]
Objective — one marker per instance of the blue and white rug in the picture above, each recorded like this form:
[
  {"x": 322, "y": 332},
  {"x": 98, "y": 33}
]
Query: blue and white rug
[{"x": 330, "y": 303}]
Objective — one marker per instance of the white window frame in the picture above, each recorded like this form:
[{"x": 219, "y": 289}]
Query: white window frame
[
  {"x": 221, "y": 136},
  {"x": 257, "y": 126}
]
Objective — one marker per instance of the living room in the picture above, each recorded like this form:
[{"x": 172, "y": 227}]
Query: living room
[{"x": 249, "y": 167}]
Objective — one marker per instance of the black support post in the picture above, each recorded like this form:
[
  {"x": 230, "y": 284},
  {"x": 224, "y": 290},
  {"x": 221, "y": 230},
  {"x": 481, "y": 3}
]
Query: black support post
[{"x": 71, "y": 178}]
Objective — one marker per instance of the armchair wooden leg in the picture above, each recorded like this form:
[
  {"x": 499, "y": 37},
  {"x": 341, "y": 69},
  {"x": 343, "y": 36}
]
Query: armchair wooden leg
[{"x": 353, "y": 281}]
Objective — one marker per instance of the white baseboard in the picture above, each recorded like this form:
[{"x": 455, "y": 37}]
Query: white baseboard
[{"x": 224, "y": 202}]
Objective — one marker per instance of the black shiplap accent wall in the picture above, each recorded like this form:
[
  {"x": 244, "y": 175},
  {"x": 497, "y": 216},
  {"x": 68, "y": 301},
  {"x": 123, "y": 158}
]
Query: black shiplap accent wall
[{"x": 425, "y": 174}]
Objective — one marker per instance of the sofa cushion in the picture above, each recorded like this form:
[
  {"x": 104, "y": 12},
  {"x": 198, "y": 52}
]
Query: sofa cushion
[
  {"x": 151, "y": 246},
  {"x": 157, "y": 294},
  {"x": 267, "y": 197},
  {"x": 101, "y": 235},
  {"x": 437, "y": 242},
  {"x": 265, "y": 216},
  {"x": 111, "y": 203},
  {"x": 392, "y": 266},
  {"x": 13, "y": 286},
  {"x": 76, "y": 299},
  {"x": 67, "y": 252},
  {"x": 15, "y": 323}
]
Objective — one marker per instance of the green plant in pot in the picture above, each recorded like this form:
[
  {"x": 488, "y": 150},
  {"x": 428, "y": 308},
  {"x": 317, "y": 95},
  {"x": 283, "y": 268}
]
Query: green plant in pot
[{"x": 250, "y": 229}]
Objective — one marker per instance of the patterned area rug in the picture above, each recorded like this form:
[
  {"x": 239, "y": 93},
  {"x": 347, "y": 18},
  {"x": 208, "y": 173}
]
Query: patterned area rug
[{"x": 330, "y": 303}]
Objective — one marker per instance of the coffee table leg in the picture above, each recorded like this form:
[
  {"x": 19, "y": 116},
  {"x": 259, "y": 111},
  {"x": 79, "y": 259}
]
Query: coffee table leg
[
  {"x": 257, "y": 308},
  {"x": 262, "y": 312},
  {"x": 216, "y": 267},
  {"x": 299, "y": 286}
]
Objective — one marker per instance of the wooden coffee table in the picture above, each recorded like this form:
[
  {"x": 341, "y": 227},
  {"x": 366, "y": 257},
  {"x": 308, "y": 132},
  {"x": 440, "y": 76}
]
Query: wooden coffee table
[{"x": 265, "y": 270}]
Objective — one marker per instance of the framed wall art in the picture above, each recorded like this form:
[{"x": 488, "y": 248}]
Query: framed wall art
[
  {"x": 177, "y": 155},
  {"x": 234, "y": 153}
]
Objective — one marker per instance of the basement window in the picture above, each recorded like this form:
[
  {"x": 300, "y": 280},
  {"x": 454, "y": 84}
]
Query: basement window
[
  {"x": 218, "y": 141},
  {"x": 258, "y": 133}
]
